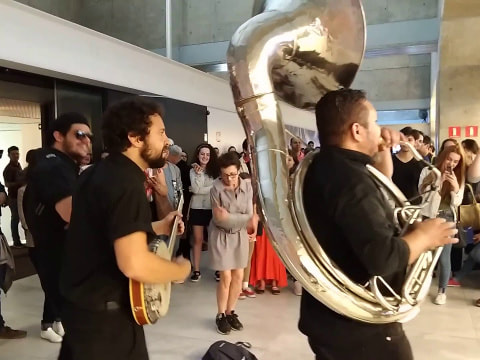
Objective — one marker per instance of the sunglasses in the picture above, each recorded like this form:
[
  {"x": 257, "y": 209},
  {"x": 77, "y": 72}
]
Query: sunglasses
[{"x": 81, "y": 135}]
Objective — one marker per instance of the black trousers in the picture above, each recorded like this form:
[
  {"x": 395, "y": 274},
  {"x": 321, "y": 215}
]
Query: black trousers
[
  {"x": 385, "y": 344},
  {"x": 48, "y": 265},
  {"x": 101, "y": 335}
]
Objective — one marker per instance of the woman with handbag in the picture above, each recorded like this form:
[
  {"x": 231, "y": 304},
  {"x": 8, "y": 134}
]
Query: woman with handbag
[{"x": 448, "y": 196}]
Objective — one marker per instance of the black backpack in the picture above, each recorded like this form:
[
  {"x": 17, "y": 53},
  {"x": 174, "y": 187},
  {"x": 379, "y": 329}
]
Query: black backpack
[{"x": 224, "y": 350}]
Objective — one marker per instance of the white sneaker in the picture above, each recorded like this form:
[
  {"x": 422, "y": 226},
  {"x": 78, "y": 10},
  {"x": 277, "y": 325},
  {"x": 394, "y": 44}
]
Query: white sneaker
[
  {"x": 440, "y": 299},
  {"x": 51, "y": 335},
  {"x": 297, "y": 288},
  {"x": 58, "y": 328}
]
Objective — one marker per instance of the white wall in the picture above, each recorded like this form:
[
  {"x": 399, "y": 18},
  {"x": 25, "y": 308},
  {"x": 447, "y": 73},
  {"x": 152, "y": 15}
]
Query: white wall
[
  {"x": 47, "y": 45},
  {"x": 229, "y": 128},
  {"x": 26, "y": 137}
]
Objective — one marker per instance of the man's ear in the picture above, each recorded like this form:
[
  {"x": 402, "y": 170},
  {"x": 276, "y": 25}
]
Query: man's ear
[
  {"x": 135, "y": 140},
  {"x": 58, "y": 136},
  {"x": 356, "y": 131}
]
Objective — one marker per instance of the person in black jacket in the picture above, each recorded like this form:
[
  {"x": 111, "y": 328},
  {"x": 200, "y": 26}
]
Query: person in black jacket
[{"x": 354, "y": 224}]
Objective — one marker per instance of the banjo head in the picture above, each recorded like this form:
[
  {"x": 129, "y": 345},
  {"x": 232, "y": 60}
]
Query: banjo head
[{"x": 157, "y": 296}]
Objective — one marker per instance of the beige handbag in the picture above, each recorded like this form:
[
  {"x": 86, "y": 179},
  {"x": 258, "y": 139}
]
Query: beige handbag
[{"x": 469, "y": 215}]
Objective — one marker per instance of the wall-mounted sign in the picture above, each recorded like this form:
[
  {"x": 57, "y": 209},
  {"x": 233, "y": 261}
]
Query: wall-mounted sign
[
  {"x": 471, "y": 131},
  {"x": 454, "y": 131}
]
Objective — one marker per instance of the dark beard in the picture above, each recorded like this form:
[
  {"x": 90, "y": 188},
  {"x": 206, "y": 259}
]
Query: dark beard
[{"x": 153, "y": 162}]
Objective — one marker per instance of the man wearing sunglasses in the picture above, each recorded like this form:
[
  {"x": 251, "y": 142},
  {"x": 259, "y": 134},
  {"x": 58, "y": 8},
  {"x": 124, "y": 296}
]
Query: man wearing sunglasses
[{"x": 48, "y": 206}]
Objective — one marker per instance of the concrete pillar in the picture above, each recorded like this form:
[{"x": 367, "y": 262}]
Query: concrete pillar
[{"x": 459, "y": 74}]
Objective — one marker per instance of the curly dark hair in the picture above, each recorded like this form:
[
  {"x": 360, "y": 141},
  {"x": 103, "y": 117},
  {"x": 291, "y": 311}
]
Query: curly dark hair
[
  {"x": 229, "y": 159},
  {"x": 335, "y": 113},
  {"x": 127, "y": 116},
  {"x": 212, "y": 169}
]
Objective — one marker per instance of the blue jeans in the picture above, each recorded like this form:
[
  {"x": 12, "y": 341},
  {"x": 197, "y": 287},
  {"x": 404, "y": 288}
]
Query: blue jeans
[
  {"x": 468, "y": 265},
  {"x": 444, "y": 263}
]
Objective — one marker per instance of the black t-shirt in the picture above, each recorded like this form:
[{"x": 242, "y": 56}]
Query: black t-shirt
[
  {"x": 109, "y": 203},
  {"x": 353, "y": 222},
  {"x": 51, "y": 180},
  {"x": 406, "y": 177}
]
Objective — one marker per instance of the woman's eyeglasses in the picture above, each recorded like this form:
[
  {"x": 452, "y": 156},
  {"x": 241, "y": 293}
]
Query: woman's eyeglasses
[
  {"x": 230, "y": 176},
  {"x": 81, "y": 135}
]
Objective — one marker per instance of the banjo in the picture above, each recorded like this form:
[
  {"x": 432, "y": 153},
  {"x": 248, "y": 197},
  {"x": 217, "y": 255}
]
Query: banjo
[{"x": 149, "y": 302}]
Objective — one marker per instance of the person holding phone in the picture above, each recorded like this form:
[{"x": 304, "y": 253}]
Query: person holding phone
[{"x": 444, "y": 204}]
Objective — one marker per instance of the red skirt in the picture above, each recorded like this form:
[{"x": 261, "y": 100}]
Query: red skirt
[{"x": 266, "y": 265}]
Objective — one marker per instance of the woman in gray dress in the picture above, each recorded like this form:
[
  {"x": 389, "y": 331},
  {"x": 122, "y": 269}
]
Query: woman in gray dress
[{"x": 232, "y": 207}]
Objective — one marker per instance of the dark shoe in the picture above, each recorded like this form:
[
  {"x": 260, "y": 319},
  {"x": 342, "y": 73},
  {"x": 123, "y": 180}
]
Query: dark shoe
[
  {"x": 217, "y": 275},
  {"x": 234, "y": 322},
  {"x": 196, "y": 276},
  {"x": 259, "y": 291},
  {"x": 7, "y": 332},
  {"x": 275, "y": 290},
  {"x": 223, "y": 326}
]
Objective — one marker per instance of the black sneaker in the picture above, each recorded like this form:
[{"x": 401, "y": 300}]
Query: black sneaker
[
  {"x": 217, "y": 275},
  {"x": 223, "y": 325},
  {"x": 234, "y": 322},
  {"x": 195, "y": 276}
]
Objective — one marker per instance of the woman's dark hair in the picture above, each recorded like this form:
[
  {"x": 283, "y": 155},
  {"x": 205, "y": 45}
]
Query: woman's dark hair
[
  {"x": 129, "y": 116},
  {"x": 442, "y": 147},
  {"x": 212, "y": 169},
  {"x": 229, "y": 159},
  {"x": 335, "y": 113},
  {"x": 470, "y": 145}
]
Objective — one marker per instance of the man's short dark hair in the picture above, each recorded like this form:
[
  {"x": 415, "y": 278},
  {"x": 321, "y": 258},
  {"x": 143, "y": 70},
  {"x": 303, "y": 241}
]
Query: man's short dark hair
[
  {"x": 245, "y": 145},
  {"x": 129, "y": 116},
  {"x": 416, "y": 134},
  {"x": 63, "y": 123},
  {"x": 336, "y": 111},
  {"x": 228, "y": 159},
  {"x": 407, "y": 130},
  {"x": 427, "y": 140},
  {"x": 12, "y": 148},
  {"x": 311, "y": 142}
]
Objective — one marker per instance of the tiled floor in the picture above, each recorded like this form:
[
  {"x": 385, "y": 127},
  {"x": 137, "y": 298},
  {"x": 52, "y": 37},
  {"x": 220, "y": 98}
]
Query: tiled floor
[{"x": 439, "y": 332}]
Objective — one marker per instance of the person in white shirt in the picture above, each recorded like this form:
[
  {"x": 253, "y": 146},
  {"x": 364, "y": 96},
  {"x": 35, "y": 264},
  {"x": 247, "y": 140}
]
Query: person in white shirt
[
  {"x": 202, "y": 176},
  {"x": 444, "y": 203}
]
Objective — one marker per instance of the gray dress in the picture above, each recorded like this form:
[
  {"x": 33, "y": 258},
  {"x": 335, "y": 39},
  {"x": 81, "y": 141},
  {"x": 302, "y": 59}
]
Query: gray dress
[{"x": 228, "y": 240}]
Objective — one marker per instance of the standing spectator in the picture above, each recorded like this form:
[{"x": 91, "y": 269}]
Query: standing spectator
[
  {"x": 444, "y": 203},
  {"x": 406, "y": 169},
  {"x": 13, "y": 181},
  {"x": 184, "y": 247},
  {"x": 202, "y": 176},
  {"x": 232, "y": 206},
  {"x": 48, "y": 207},
  {"x": 6, "y": 270},
  {"x": 296, "y": 147}
]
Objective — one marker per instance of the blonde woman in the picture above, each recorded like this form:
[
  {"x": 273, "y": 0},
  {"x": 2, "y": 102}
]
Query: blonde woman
[{"x": 449, "y": 195}]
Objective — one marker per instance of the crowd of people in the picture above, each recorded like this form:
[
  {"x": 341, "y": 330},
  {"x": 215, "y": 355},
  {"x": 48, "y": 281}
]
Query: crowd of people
[{"x": 82, "y": 224}]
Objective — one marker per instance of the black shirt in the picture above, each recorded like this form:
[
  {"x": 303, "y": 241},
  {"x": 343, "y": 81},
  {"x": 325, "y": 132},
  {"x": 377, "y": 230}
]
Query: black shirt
[
  {"x": 109, "y": 203},
  {"x": 406, "y": 177},
  {"x": 13, "y": 174},
  {"x": 51, "y": 180},
  {"x": 353, "y": 222}
]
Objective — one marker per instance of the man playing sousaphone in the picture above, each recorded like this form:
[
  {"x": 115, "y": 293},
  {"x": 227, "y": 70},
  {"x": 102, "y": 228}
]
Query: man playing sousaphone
[{"x": 355, "y": 226}]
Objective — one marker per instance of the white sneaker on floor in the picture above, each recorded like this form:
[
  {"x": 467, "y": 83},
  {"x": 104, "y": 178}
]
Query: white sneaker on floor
[
  {"x": 297, "y": 288},
  {"x": 51, "y": 336},
  {"x": 58, "y": 328},
  {"x": 440, "y": 299}
]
